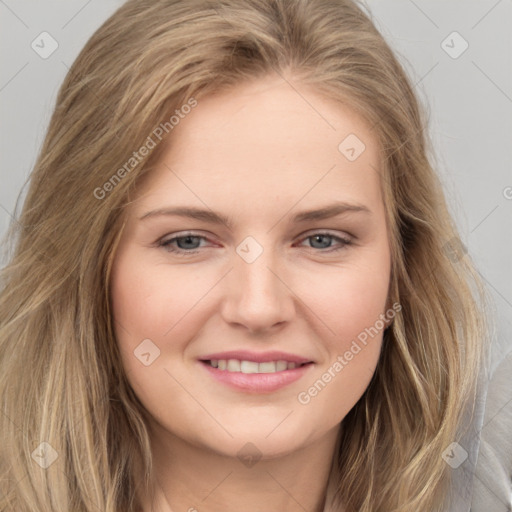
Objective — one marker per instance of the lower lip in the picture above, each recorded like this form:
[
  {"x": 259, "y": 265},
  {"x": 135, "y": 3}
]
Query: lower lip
[{"x": 257, "y": 382}]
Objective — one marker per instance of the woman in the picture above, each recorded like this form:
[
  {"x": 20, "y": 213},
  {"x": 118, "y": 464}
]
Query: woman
[{"x": 258, "y": 368}]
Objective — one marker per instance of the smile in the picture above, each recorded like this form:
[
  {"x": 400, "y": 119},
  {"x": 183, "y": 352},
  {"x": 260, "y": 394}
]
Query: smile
[
  {"x": 244, "y": 366},
  {"x": 255, "y": 373}
]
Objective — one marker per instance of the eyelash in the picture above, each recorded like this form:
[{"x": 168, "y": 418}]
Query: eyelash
[{"x": 182, "y": 252}]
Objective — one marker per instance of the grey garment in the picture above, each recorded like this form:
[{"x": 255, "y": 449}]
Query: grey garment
[
  {"x": 462, "y": 454},
  {"x": 492, "y": 482}
]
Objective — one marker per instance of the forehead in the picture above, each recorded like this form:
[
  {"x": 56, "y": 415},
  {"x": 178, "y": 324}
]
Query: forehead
[{"x": 266, "y": 143}]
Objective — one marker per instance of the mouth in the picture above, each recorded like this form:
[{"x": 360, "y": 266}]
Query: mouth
[
  {"x": 253, "y": 372},
  {"x": 246, "y": 366}
]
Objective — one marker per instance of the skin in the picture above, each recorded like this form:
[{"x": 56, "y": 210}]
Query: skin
[{"x": 259, "y": 154}]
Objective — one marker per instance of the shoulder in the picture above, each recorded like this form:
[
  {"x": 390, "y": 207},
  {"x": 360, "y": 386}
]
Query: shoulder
[{"x": 492, "y": 485}]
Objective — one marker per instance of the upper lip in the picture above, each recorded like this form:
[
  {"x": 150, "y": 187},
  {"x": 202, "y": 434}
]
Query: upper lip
[{"x": 257, "y": 357}]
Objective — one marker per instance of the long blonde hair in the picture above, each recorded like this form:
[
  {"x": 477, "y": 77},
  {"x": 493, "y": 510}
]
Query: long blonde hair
[{"x": 61, "y": 380}]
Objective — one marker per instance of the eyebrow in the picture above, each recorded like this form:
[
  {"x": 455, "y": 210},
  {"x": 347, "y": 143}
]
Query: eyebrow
[{"x": 212, "y": 217}]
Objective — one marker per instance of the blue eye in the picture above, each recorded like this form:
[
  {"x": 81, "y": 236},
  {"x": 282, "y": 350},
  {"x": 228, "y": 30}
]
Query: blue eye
[
  {"x": 189, "y": 243},
  {"x": 328, "y": 236},
  {"x": 189, "y": 240}
]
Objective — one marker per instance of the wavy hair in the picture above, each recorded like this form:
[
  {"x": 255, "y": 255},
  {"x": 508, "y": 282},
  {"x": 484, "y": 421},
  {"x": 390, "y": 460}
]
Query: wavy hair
[{"x": 61, "y": 379}]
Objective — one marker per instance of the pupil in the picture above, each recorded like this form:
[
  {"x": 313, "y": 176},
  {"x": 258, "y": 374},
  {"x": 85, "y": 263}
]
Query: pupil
[
  {"x": 187, "y": 240},
  {"x": 319, "y": 238}
]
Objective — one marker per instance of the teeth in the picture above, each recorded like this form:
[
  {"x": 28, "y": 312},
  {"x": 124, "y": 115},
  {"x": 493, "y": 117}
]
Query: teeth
[
  {"x": 249, "y": 367},
  {"x": 281, "y": 365},
  {"x": 234, "y": 365},
  {"x": 269, "y": 367}
]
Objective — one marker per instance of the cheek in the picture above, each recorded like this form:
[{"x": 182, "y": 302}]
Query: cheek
[
  {"x": 151, "y": 310},
  {"x": 348, "y": 300},
  {"x": 157, "y": 310},
  {"x": 352, "y": 357},
  {"x": 351, "y": 302},
  {"x": 146, "y": 304},
  {"x": 362, "y": 300},
  {"x": 150, "y": 301}
]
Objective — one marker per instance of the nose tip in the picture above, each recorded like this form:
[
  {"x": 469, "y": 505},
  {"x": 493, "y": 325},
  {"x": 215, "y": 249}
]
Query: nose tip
[{"x": 256, "y": 296}]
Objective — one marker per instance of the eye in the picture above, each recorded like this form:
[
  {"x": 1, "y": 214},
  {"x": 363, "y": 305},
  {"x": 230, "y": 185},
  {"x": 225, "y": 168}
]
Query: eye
[
  {"x": 187, "y": 243},
  {"x": 323, "y": 240}
]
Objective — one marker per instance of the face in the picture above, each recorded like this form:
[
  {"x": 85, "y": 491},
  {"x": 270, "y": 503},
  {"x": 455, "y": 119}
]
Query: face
[{"x": 249, "y": 319}]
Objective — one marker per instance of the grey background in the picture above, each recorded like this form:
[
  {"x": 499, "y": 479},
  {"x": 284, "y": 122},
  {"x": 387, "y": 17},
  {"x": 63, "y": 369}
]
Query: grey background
[{"x": 469, "y": 99}]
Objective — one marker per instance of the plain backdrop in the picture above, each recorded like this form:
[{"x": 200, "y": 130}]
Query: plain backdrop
[{"x": 457, "y": 52}]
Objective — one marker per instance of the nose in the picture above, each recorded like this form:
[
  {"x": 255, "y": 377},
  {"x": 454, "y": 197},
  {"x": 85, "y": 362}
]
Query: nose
[{"x": 257, "y": 295}]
